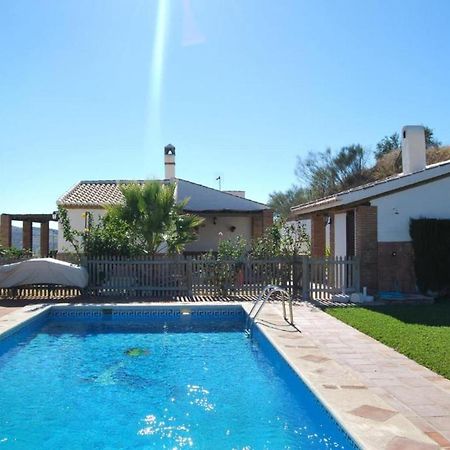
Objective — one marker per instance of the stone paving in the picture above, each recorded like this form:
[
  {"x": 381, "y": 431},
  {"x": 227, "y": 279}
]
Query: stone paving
[
  {"x": 6, "y": 310},
  {"x": 384, "y": 399}
]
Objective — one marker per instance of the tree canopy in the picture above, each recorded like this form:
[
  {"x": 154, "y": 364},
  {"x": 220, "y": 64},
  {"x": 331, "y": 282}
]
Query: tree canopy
[
  {"x": 281, "y": 202},
  {"x": 324, "y": 173}
]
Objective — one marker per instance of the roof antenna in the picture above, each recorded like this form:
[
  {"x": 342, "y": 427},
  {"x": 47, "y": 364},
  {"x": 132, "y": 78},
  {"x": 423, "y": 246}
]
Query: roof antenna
[{"x": 219, "y": 179}]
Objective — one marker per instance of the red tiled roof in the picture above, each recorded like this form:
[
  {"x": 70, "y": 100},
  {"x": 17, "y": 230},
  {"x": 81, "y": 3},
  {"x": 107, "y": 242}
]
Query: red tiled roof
[
  {"x": 93, "y": 193},
  {"x": 101, "y": 193}
]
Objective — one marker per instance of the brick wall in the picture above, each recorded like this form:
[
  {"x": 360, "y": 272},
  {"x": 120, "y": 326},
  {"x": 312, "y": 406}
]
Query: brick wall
[
  {"x": 260, "y": 222},
  {"x": 366, "y": 245},
  {"x": 5, "y": 230},
  {"x": 27, "y": 235},
  {"x": 396, "y": 267},
  {"x": 317, "y": 235}
]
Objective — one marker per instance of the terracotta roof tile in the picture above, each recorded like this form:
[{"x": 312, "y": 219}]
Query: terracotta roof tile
[
  {"x": 201, "y": 198},
  {"x": 89, "y": 193}
]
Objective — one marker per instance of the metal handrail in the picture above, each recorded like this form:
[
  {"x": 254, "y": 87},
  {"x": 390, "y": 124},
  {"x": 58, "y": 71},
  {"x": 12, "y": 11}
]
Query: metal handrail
[{"x": 263, "y": 297}]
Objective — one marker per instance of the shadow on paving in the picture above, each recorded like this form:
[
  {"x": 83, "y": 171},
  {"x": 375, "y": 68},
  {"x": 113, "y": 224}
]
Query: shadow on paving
[{"x": 19, "y": 302}]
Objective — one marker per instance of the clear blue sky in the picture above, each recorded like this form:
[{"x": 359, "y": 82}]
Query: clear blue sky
[{"x": 94, "y": 89}]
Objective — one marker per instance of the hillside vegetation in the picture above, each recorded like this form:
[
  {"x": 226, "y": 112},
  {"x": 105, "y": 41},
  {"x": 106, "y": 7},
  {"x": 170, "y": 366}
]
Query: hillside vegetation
[{"x": 321, "y": 174}]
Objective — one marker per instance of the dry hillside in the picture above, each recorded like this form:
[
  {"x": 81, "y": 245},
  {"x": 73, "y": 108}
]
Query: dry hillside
[{"x": 391, "y": 163}]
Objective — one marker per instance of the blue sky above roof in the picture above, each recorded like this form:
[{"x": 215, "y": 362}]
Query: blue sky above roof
[{"x": 94, "y": 90}]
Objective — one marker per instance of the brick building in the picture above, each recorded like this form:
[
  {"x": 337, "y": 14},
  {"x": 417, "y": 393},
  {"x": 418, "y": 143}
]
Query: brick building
[{"x": 372, "y": 221}]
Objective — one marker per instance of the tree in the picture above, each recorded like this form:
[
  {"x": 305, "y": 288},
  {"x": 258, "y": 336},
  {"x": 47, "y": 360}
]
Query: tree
[
  {"x": 430, "y": 140},
  {"x": 387, "y": 145},
  {"x": 325, "y": 174},
  {"x": 281, "y": 202},
  {"x": 282, "y": 239},
  {"x": 110, "y": 236},
  {"x": 74, "y": 237},
  {"x": 155, "y": 217}
]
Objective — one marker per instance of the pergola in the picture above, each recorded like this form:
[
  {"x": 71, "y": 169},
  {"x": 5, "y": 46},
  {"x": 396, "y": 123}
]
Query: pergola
[{"x": 27, "y": 230}]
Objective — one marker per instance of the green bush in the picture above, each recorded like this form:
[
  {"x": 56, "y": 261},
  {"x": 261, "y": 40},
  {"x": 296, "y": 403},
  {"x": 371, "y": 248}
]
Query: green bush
[
  {"x": 13, "y": 252},
  {"x": 431, "y": 244},
  {"x": 282, "y": 239}
]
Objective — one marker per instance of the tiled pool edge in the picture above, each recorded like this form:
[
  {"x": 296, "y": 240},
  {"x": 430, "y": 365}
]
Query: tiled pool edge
[
  {"x": 14, "y": 321},
  {"x": 273, "y": 341},
  {"x": 350, "y": 407}
]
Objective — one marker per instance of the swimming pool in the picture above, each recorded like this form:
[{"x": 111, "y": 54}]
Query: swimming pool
[{"x": 168, "y": 377}]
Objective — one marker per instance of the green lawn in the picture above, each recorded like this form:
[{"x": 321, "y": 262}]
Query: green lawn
[{"x": 421, "y": 332}]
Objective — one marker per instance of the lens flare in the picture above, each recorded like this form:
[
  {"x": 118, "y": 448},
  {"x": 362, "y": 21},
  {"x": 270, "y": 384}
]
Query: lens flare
[{"x": 157, "y": 66}]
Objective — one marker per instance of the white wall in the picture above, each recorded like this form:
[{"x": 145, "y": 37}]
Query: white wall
[
  {"x": 340, "y": 234},
  {"x": 209, "y": 232},
  {"x": 77, "y": 221},
  {"x": 431, "y": 200}
]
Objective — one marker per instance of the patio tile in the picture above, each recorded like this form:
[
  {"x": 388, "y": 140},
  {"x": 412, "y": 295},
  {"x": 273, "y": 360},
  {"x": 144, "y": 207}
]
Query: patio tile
[
  {"x": 419, "y": 395},
  {"x": 438, "y": 438},
  {"x": 373, "y": 413},
  {"x": 431, "y": 410},
  {"x": 402, "y": 443},
  {"x": 421, "y": 423},
  {"x": 352, "y": 386},
  {"x": 315, "y": 358},
  {"x": 441, "y": 422},
  {"x": 416, "y": 381}
]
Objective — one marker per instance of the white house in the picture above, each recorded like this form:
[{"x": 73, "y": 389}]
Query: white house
[
  {"x": 227, "y": 213},
  {"x": 372, "y": 221}
]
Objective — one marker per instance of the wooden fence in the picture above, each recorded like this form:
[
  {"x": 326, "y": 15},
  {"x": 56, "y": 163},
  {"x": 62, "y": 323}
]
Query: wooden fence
[
  {"x": 167, "y": 278},
  {"x": 330, "y": 276},
  {"x": 306, "y": 277}
]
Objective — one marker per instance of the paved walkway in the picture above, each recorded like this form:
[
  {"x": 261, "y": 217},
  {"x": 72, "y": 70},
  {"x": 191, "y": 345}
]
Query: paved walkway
[{"x": 385, "y": 399}]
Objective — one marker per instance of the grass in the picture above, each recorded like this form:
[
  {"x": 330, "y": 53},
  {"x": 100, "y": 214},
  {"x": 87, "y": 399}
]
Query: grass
[{"x": 421, "y": 332}]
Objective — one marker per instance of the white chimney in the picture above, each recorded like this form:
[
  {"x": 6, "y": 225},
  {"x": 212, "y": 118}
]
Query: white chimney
[
  {"x": 169, "y": 162},
  {"x": 413, "y": 148}
]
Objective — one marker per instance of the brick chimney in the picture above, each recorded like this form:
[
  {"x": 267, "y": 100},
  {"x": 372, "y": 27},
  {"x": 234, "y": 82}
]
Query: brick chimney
[
  {"x": 413, "y": 148},
  {"x": 169, "y": 162}
]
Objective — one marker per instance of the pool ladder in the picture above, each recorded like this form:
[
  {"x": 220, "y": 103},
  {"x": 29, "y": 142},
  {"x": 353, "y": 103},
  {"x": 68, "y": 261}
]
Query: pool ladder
[{"x": 262, "y": 299}]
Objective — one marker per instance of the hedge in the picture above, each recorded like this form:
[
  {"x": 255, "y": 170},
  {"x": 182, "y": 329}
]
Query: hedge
[{"x": 431, "y": 243}]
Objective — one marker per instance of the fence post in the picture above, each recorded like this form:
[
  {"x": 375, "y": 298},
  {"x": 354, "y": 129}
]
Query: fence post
[
  {"x": 296, "y": 274},
  {"x": 356, "y": 273},
  {"x": 346, "y": 267},
  {"x": 189, "y": 275},
  {"x": 305, "y": 278}
]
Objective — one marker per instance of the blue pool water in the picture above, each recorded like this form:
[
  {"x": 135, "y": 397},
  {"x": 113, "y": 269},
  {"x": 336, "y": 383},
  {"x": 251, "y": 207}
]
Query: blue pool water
[{"x": 96, "y": 383}]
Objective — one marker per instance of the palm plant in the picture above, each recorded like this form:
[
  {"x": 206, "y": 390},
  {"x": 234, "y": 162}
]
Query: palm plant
[{"x": 155, "y": 217}]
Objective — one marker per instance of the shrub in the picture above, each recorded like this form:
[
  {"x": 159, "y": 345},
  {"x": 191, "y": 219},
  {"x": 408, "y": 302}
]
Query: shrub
[
  {"x": 13, "y": 252},
  {"x": 431, "y": 244}
]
